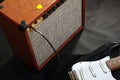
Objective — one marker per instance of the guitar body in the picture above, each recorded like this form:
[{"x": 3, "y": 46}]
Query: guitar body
[
  {"x": 98, "y": 65},
  {"x": 95, "y": 73}
]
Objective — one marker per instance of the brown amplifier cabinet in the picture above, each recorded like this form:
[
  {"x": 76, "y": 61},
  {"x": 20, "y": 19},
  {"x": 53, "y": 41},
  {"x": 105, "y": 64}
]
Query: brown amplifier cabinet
[{"x": 28, "y": 24}]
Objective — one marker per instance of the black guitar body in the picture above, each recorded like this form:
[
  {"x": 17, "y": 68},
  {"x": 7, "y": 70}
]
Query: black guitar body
[{"x": 111, "y": 49}]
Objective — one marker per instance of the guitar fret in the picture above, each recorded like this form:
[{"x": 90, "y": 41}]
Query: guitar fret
[
  {"x": 102, "y": 67},
  {"x": 92, "y": 71}
]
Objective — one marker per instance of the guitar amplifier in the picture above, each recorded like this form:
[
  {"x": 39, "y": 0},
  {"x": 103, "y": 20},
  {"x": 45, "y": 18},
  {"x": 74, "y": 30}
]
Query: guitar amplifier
[{"x": 38, "y": 29}]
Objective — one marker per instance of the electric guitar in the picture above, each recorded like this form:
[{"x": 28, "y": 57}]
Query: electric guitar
[{"x": 95, "y": 70}]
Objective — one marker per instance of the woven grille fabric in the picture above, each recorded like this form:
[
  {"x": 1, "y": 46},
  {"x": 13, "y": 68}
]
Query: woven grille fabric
[{"x": 58, "y": 27}]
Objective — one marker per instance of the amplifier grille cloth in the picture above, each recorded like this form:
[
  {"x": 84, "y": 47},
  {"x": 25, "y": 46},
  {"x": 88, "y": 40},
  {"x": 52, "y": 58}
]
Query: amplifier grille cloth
[{"x": 58, "y": 27}]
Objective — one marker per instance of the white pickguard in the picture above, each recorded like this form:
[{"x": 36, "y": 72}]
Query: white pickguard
[{"x": 83, "y": 71}]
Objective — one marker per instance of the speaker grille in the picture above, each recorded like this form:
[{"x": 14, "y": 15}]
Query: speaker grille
[{"x": 58, "y": 27}]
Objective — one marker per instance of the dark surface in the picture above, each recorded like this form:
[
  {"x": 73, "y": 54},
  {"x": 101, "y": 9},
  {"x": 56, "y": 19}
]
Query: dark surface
[{"x": 102, "y": 25}]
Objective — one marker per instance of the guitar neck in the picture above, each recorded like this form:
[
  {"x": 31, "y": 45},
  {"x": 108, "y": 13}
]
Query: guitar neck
[{"x": 113, "y": 63}]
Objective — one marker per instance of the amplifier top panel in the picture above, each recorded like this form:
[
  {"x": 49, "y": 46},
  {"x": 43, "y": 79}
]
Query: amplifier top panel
[{"x": 28, "y": 10}]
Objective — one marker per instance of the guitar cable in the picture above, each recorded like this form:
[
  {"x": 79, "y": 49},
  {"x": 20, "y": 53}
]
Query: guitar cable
[
  {"x": 56, "y": 73},
  {"x": 41, "y": 34},
  {"x": 58, "y": 57}
]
